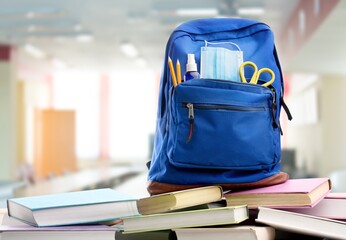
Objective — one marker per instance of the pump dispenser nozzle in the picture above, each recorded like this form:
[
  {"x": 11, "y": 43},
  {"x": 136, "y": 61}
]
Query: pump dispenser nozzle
[{"x": 191, "y": 65}]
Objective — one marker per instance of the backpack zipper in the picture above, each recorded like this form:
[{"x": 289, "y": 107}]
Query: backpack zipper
[
  {"x": 192, "y": 106},
  {"x": 191, "y": 117},
  {"x": 276, "y": 124}
]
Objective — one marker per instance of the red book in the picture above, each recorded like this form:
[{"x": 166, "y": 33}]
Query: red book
[{"x": 306, "y": 192}]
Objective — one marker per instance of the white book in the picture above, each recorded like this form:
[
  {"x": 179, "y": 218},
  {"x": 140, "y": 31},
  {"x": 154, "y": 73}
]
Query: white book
[
  {"x": 89, "y": 232},
  {"x": 191, "y": 218},
  {"x": 226, "y": 233},
  {"x": 302, "y": 223}
]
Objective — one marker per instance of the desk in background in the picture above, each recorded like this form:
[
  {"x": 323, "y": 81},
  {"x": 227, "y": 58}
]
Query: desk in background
[
  {"x": 7, "y": 189},
  {"x": 86, "y": 179}
]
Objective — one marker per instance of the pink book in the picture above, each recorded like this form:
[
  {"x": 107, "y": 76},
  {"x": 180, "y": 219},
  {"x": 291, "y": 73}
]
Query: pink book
[
  {"x": 336, "y": 195},
  {"x": 306, "y": 192},
  {"x": 333, "y": 206}
]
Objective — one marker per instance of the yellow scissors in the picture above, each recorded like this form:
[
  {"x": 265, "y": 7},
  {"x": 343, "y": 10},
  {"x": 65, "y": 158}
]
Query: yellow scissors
[{"x": 256, "y": 74}]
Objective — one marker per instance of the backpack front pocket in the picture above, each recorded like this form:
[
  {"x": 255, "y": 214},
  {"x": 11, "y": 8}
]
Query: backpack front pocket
[{"x": 222, "y": 127}]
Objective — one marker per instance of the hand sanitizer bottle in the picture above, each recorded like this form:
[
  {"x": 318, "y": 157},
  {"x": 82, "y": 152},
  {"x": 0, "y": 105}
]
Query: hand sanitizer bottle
[{"x": 191, "y": 68}]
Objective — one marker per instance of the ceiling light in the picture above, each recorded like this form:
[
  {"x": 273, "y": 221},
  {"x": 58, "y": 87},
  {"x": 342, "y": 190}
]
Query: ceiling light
[
  {"x": 78, "y": 27},
  {"x": 58, "y": 64},
  {"x": 35, "y": 11},
  {"x": 84, "y": 38},
  {"x": 197, "y": 12},
  {"x": 140, "y": 62},
  {"x": 32, "y": 28},
  {"x": 30, "y": 14},
  {"x": 34, "y": 51},
  {"x": 129, "y": 50},
  {"x": 253, "y": 11}
]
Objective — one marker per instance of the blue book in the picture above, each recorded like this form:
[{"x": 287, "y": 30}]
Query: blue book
[{"x": 81, "y": 207}]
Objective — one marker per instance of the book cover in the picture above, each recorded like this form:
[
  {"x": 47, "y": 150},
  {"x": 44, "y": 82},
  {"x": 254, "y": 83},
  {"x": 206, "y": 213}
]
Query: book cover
[
  {"x": 302, "y": 223},
  {"x": 179, "y": 199},
  {"x": 193, "y": 218},
  {"x": 226, "y": 233},
  {"x": 73, "y": 207},
  {"x": 305, "y": 192}
]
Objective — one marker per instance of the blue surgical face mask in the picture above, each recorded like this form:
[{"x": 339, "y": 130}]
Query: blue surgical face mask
[{"x": 219, "y": 62}]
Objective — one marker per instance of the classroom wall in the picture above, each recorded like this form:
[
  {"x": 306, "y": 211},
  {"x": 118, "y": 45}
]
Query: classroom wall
[
  {"x": 7, "y": 121},
  {"x": 333, "y": 107},
  {"x": 20, "y": 122},
  {"x": 320, "y": 141}
]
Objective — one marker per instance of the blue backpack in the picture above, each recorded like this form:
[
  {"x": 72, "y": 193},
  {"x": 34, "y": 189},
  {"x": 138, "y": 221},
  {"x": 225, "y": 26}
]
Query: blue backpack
[{"x": 215, "y": 132}]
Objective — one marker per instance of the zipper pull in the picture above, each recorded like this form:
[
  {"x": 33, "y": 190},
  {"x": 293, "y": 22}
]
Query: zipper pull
[
  {"x": 191, "y": 113},
  {"x": 191, "y": 117},
  {"x": 275, "y": 123}
]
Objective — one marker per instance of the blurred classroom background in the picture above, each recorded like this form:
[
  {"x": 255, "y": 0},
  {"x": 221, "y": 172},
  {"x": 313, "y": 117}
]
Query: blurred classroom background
[{"x": 79, "y": 83}]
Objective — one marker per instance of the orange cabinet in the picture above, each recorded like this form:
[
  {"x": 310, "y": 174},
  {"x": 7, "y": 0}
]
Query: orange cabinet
[{"x": 54, "y": 142}]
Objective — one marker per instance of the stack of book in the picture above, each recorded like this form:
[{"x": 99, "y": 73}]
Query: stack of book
[
  {"x": 106, "y": 213},
  {"x": 303, "y": 206}
]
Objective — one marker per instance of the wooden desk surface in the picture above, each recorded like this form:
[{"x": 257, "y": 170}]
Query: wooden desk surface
[{"x": 75, "y": 181}]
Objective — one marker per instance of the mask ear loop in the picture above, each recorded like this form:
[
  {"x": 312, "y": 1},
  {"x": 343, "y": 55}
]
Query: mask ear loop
[{"x": 217, "y": 43}]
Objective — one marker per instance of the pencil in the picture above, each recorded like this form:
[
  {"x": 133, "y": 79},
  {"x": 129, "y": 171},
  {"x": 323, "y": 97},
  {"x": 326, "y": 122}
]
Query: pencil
[
  {"x": 178, "y": 72},
  {"x": 171, "y": 68}
]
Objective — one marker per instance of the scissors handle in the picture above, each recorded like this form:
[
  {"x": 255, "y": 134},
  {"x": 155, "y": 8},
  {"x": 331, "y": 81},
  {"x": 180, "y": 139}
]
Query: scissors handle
[
  {"x": 268, "y": 70},
  {"x": 253, "y": 79},
  {"x": 256, "y": 74}
]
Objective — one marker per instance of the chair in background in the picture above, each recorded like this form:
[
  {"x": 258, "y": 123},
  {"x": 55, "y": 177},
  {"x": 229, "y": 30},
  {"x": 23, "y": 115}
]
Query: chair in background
[{"x": 26, "y": 173}]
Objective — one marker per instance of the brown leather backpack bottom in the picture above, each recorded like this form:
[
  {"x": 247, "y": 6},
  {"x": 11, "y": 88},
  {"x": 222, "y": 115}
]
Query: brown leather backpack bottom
[{"x": 158, "y": 187}]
